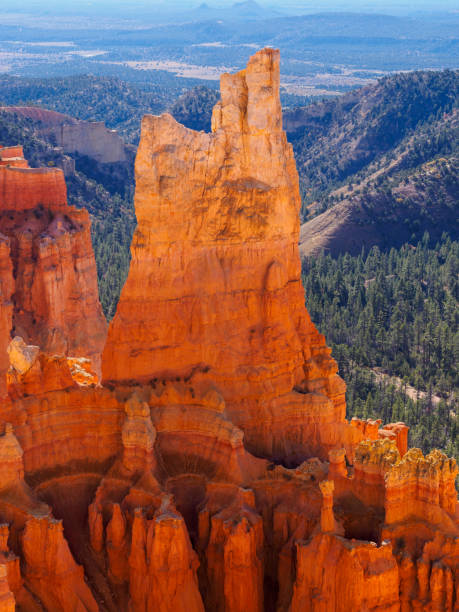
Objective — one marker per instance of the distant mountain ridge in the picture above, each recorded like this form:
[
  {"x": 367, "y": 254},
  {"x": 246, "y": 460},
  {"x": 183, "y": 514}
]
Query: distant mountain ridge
[
  {"x": 381, "y": 164},
  {"x": 249, "y": 9}
]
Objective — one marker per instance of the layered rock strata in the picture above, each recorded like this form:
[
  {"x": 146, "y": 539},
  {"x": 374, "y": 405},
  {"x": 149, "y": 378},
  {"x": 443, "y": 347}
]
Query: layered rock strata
[
  {"x": 213, "y": 469},
  {"x": 89, "y": 138},
  {"x": 49, "y": 294},
  {"x": 214, "y": 289},
  {"x": 13, "y": 157}
]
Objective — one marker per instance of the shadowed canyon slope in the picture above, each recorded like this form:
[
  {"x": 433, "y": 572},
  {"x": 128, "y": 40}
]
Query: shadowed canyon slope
[{"x": 213, "y": 468}]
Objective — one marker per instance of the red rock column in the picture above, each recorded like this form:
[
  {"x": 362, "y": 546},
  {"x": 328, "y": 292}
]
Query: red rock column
[
  {"x": 214, "y": 287},
  {"x": 234, "y": 556},
  {"x": 447, "y": 486},
  {"x": 243, "y": 569},
  {"x": 441, "y": 588},
  {"x": 50, "y": 571},
  {"x": 163, "y": 564},
  {"x": 117, "y": 546},
  {"x": 96, "y": 527},
  {"x": 397, "y": 432},
  {"x": 337, "y": 459},
  {"x": 407, "y": 573},
  {"x": 6, "y": 307},
  {"x": 11, "y": 459},
  {"x": 369, "y": 428},
  {"x": 423, "y": 567},
  {"x": 138, "y": 436},
  {"x": 4, "y": 534},
  {"x": 10, "y": 562},
  {"x": 7, "y": 601}
]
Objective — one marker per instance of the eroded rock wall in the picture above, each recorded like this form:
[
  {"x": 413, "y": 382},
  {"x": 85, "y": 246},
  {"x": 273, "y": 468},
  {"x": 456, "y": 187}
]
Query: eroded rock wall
[
  {"x": 49, "y": 293},
  {"x": 90, "y": 138}
]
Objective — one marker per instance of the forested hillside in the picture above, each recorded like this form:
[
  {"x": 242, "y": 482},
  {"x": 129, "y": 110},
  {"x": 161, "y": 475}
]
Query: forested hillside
[
  {"x": 194, "y": 108},
  {"x": 380, "y": 166},
  {"x": 392, "y": 320},
  {"x": 335, "y": 139},
  {"x": 119, "y": 104}
]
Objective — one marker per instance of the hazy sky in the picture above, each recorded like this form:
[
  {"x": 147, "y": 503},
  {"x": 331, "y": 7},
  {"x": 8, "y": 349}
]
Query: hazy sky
[{"x": 129, "y": 6}]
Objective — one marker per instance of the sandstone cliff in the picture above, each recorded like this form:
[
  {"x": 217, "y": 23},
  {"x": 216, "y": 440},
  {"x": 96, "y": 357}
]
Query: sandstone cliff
[
  {"x": 213, "y": 469},
  {"x": 49, "y": 284},
  {"x": 89, "y": 138}
]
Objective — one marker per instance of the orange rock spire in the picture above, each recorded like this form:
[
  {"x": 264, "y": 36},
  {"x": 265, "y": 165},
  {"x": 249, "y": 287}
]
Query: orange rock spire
[
  {"x": 144, "y": 493},
  {"x": 214, "y": 290}
]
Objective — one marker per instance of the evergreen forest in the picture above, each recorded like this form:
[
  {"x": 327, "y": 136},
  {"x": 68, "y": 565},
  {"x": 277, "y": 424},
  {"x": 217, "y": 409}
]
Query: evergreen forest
[{"x": 392, "y": 320}]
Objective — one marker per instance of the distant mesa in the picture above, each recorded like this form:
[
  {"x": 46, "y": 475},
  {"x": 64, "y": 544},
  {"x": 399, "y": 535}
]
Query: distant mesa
[
  {"x": 248, "y": 4},
  {"x": 238, "y": 10},
  {"x": 249, "y": 8},
  {"x": 88, "y": 138}
]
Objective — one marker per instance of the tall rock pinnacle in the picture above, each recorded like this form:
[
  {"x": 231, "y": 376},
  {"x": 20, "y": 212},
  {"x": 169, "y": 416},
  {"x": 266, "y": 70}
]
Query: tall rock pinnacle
[{"x": 214, "y": 289}]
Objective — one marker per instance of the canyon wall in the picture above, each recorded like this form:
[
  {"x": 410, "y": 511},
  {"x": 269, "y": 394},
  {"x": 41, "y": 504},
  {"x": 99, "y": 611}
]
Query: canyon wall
[
  {"x": 213, "y": 468},
  {"x": 90, "y": 138}
]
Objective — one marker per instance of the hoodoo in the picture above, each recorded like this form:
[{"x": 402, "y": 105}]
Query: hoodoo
[
  {"x": 214, "y": 290},
  {"x": 213, "y": 468}
]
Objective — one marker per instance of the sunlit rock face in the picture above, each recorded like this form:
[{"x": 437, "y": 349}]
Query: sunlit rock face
[
  {"x": 213, "y": 469},
  {"x": 49, "y": 295},
  {"x": 214, "y": 290}
]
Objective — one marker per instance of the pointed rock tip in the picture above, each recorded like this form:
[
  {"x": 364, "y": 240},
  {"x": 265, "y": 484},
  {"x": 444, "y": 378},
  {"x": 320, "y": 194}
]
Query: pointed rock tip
[{"x": 263, "y": 56}]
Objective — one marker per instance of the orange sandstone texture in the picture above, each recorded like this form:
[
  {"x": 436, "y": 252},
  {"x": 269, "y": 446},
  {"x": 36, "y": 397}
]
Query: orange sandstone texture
[
  {"x": 213, "y": 470},
  {"x": 50, "y": 570},
  {"x": 24, "y": 188},
  {"x": 6, "y": 307},
  {"x": 214, "y": 289},
  {"x": 7, "y": 601},
  {"x": 13, "y": 157},
  {"x": 49, "y": 293}
]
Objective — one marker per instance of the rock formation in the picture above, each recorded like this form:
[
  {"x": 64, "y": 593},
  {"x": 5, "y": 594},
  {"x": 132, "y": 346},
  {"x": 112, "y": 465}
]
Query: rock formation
[
  {"x": 49, "y": 294},
  {"x": 213, "y": 468},
  {"x": 214, "y": 290},
  {"x": 90, "y": 138}
]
